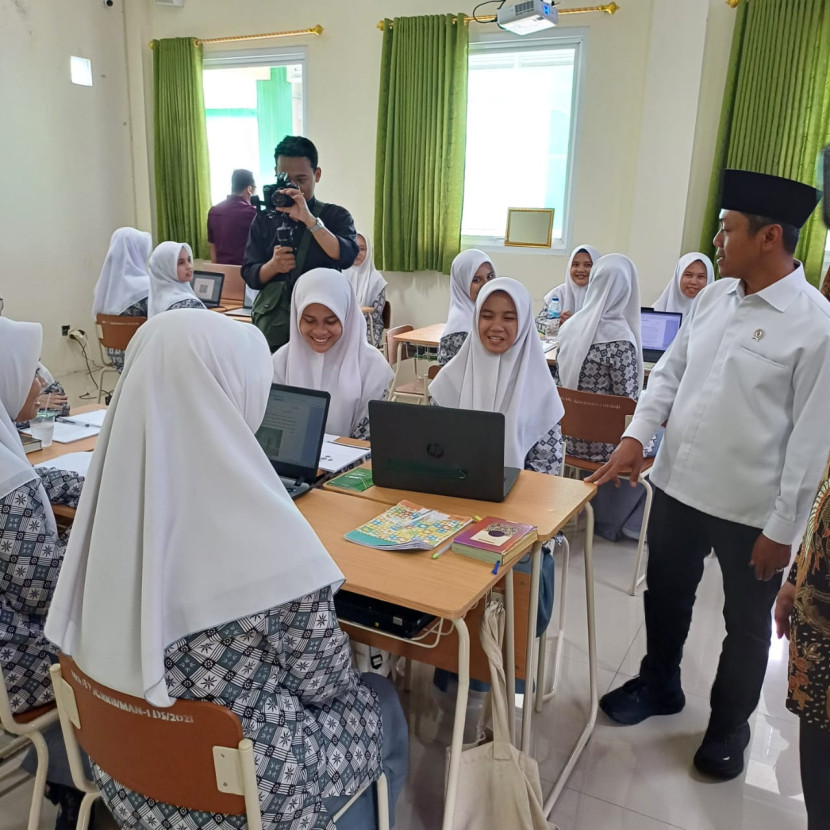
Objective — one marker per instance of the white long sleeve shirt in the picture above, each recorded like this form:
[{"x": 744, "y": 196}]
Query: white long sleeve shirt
[{"x": 745, "y": 391}]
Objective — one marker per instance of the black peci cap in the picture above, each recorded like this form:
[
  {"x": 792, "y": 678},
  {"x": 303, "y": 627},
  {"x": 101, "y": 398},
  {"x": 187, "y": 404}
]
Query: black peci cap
[{"x": 783, "y": 200}]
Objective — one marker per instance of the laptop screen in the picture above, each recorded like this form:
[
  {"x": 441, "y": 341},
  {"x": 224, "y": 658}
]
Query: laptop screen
[
  {"x": 292, "y": 430},
  {"x": 207, "y": 285},
  {"x": 659, "y": 328}
]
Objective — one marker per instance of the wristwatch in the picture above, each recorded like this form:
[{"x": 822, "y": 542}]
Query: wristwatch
[{"x": 317, "y": 226}]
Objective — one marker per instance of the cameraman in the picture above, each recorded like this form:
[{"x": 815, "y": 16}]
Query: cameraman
[{"x": 313, "y": 234}]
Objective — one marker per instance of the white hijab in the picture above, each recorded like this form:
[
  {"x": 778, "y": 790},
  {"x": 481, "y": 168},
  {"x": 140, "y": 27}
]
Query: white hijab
[
  {"x": 462, "y": 271},
  {"x": 517, "y": 383},
  {"x": 165, "y": 288},
  {"x": 611, "y": 312},
  {"x": 157, "y": 549},
  {"x": 366, "y": 280},
  {"x": 572, "y": 296},
  {"x": 20, "y": 347},
  {"x": 123, "y": 281},
  {"x": 352, "y": 371},
  {"x": 672, "y": 298}
]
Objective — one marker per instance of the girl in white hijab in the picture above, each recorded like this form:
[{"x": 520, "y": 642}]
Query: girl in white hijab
[
  {"x": 369, "y": 287},
  {"x": 31, "y": 553},
  {"x": 327, "y": 350},
  {"x": 692, "y": 274},
  {"x": 572, "y": 292},
  {"x": 151, "y": 603},
  {"x": 171, "y": 270},
  {"x": 123, "y": 287},
  {"x": 470, "y": 270},
  {"x": 601, "y": 351}
]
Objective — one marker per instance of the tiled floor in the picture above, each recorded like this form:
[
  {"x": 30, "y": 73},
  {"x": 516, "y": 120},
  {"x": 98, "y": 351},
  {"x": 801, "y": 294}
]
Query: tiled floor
[{"x": 629, "y": 778}]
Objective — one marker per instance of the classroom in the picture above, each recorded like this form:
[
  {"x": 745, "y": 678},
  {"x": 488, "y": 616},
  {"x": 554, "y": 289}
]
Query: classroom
[{"x": 320, "y": 302}]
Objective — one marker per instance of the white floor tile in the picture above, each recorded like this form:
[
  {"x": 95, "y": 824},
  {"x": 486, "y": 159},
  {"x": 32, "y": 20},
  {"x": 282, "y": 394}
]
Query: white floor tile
[{"x": 576, "y": 811}]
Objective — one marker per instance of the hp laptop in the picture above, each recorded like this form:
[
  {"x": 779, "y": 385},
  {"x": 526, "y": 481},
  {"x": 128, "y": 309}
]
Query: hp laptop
[
  {"x": 207, "y": 286},
  {"x": 384, "y": 616},
  {"x": 659, "y": 329},
  {"x": 292, "y": 434},
  {"x": 430, "y": 449}
]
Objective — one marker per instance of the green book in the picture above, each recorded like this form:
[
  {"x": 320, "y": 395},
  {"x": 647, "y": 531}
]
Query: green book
[{"x": 357, "y": 480}]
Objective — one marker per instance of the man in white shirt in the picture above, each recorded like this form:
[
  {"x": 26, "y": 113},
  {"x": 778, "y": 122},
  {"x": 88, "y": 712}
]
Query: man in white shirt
[{"x": 744, "y": 391}]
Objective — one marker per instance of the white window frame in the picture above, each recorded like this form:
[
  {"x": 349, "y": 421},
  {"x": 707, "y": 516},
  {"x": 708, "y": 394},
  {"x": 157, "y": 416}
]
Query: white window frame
[
  {"x": 496, "y": 40},
  {"x": 218, "y": 58}
]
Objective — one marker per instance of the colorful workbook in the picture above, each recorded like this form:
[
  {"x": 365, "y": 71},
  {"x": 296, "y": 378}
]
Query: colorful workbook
[
  {"x": 494, "y": 540},
  {"x": 408, "y": 526}
]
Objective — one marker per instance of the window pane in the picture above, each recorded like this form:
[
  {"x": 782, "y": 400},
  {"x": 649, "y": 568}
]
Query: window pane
[
  {"x": 518, "y": 136},
  {"x": 248, "y": 111}
]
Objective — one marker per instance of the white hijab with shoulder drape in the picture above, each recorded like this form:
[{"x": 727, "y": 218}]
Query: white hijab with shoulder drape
[
  {"x": 165, "y": 288},
  {"x": 462, "y": 271},
  {"x": 124, "y": 280},
  {"x": 366, "y": 280},
  {"x": 517, "y": 383},
  {"x": 158, "y": 550},
  {"x": 673, "y": 298},
  {"x": 20, "y": 345},
  {"x": 572, "y": 296},
  {"x": 352, "y": 371},
  {"x": 611, "y": 313}
]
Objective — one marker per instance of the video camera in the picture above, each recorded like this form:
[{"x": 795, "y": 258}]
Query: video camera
[{"x": 273, "y": 198}]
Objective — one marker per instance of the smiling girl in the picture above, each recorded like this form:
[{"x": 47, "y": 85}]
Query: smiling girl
[
  {"x": 692, "y": 274},
  {"x": 572, "y": 292}
]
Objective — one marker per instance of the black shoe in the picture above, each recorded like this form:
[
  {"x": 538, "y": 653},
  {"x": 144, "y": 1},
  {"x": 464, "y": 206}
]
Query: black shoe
[
  {"x": 722, "y": 756},
  {"x": 635, "y": 701}
]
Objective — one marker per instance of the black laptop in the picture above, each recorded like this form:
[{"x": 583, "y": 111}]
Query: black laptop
[
  {"x": 207, "y": 286},
  {"x": 659, "y": 328},
  {"x": 383, "y": 616},
  {"x": 432, "y": 449},
  {"x": 292, "y": 434}
]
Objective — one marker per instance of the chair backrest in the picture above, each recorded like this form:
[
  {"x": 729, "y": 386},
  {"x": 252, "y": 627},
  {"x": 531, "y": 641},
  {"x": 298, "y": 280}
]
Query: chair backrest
[
  {"x": 592, "y": 417},
  {"x": 433, "y": 371},
  {"x": 115, "y": 332},
  {"x": 386, "y": 314},
  {"x": 164, "y": 754},
  {"x": 392, "y": 346},
  {"x": 233, "y": 287}
]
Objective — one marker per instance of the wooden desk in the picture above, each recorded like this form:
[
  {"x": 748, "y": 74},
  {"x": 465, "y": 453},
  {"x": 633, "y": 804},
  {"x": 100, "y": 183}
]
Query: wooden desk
[
  {"x": 57, "y": 450},
  {"x": 428, "y": 336}
]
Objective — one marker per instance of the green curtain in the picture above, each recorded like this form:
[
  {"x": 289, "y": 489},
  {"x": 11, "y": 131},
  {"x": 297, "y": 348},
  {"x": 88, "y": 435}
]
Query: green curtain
[
  {"x": 421, "y": 144},
  {"x": 180, "y": 143},
  {"x": 776, "y": 107},
  {"x": 275, "y": 115}
]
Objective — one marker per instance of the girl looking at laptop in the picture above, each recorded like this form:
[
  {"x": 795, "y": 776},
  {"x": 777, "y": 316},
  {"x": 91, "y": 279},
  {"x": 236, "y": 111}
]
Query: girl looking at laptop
[
  {"x": 171, "y": 270},
  {"x": 328, "y": 350}
]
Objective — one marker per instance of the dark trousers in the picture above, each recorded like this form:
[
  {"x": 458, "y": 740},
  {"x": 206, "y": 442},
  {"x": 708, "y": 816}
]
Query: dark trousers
[
  {"x": 679, "y": 539},
  {"x": 814, "y": 742}
]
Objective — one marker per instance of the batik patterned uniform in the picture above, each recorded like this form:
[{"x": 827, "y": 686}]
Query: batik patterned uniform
[
  {"x": 116, "y": 356},
  {"x": 449, "y": 345},
  {"x": 30, "y": 560},
  {"x": 187, "y": 304},
  {"x": 374, "y": 320},
  {"x": 316, "y": 729}
]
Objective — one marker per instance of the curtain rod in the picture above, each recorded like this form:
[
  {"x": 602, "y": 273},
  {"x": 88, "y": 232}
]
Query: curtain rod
[
  {"x": 608, "y": 8},
  {"x": 314, "y": 30}
]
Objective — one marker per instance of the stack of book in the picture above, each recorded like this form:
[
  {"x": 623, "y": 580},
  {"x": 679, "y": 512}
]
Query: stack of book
[{"x": 494, "y": 541}]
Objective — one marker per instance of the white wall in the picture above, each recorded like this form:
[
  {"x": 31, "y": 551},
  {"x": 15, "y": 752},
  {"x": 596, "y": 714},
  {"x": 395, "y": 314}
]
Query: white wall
[
  {"x": 66, "y": 162},
  {"x": 634, "y": 70}
]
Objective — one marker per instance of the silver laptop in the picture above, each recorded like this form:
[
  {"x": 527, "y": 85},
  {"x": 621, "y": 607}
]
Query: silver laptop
[
  {"x": 659, "y": 328},
  {"x": 292, "y": 433}
]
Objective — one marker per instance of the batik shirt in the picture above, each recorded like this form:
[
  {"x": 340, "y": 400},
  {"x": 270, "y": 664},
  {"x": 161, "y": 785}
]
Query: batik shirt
[
  {"x": 116, "y": 356},
  {"x": 608, "y": 369},
  {"x": 187, "y": 304},
  {"x": 287, "y": 674},
  {"x": 30, "y": 560},
  {"x": 449, "y": 346},
  {"x": 809, "y": 681},
  {"x": 374, "y": 320}
]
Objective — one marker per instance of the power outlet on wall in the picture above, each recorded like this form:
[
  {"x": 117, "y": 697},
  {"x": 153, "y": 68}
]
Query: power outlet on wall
[{"x": 65, "y": 330}]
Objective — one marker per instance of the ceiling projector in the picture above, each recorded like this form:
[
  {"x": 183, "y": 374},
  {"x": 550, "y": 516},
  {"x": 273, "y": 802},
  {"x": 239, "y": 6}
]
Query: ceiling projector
[{"x": 527, "y": 16}]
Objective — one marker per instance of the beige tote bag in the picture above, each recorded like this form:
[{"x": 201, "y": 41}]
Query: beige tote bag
[{"x": 498, "y": 786}]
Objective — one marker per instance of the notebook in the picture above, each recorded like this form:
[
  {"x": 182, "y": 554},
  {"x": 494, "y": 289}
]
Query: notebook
[
  {"x": 493, "y": 540},
  {"x": 659, "y": 328}
]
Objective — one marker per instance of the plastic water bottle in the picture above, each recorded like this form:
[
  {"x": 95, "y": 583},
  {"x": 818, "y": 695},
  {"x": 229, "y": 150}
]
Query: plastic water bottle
[{"x": 554, "y": 318}]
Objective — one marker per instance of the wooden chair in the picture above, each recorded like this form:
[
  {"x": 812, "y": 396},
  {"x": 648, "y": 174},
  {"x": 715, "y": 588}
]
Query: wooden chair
[
  {"x": 114, "y": 332},
  {"x": 396, "y": 354},
  {"x": 26, "y": 727},
  {"x": 191, "y": 755},
  {"x": 592, "y": 417}
]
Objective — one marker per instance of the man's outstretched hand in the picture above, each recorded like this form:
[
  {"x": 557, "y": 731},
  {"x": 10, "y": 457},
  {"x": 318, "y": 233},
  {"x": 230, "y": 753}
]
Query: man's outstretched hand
[{"x": 627, "y": 459}]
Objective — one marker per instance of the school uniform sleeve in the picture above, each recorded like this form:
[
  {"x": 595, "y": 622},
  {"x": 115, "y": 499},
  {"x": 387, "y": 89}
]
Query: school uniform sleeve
[
  {"x": 316, "y": 653},
  {"x": 62, "y": 486},
  {"x": 546, "y": 454},
  {"x": 802, "y": 470},
  {"x": 374, "y": 321}
]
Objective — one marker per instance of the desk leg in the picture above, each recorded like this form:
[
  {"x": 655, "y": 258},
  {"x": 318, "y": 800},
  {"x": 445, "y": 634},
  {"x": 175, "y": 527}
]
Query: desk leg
[
  {"x": 543, "y": 695},
  {"x": 530, "y": 658},
  {"x": 458, "y": 723},
  {"x": 592, "y": 666},
  {"x": 510, "y": 651}
]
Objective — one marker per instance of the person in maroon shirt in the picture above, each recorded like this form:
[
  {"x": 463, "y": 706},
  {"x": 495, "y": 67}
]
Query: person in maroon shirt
[{"x": 228, "y": 222}]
